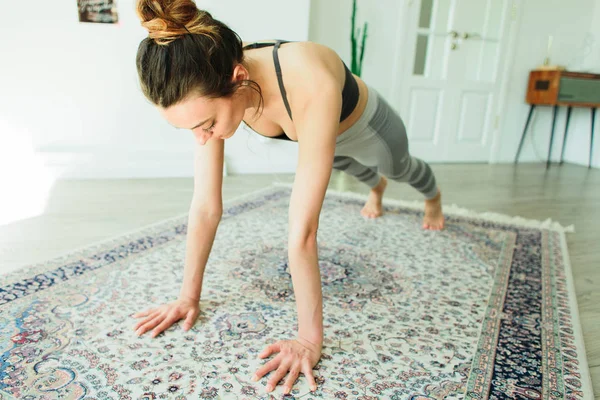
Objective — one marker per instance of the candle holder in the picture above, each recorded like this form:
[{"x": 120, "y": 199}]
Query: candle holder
[{"x": 546, "y": 66}]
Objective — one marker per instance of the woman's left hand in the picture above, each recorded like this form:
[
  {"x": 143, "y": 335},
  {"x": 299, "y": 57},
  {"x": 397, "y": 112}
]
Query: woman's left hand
[{"x": 294, "y": 356}]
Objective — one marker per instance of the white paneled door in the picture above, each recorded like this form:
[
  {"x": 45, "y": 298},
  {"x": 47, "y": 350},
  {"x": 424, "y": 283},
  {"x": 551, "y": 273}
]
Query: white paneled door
[{"x": 450, "y": 80}]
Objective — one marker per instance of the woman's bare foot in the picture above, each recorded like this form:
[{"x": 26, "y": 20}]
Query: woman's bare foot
[
  {"x": 434, "y": 218},
  {"x": 373, "y": 208}
]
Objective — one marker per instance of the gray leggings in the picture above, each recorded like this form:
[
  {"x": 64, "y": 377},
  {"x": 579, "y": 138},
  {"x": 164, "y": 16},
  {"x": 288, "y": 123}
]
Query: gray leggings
[{"x": 377, "y": 144}]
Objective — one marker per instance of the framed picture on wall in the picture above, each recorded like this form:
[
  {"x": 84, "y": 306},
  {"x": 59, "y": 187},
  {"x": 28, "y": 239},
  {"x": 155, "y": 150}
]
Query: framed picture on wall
[{"x": 101, "y": 11}]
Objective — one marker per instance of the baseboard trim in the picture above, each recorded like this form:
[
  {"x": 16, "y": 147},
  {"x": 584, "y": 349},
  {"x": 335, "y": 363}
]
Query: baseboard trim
[
  {"x": 93, "y": 164},
  {"x": 85, "y": 164}
]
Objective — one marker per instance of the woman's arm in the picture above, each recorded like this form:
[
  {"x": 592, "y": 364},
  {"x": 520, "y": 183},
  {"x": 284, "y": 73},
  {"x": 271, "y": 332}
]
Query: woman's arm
[
  {"x": 317, "y": 127},
  {"x": 316, "y": 109},
  {"x": 205, "y": 214},
  {"x": 203, "y": 220}
]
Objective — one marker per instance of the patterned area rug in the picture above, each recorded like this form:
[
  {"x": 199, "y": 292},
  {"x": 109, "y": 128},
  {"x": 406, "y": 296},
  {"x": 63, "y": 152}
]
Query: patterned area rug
[{"x": 484, "y": 309}]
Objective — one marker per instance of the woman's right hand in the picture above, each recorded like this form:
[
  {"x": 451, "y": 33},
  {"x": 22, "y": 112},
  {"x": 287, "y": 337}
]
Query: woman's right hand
[{"x": 161, "y": 318}]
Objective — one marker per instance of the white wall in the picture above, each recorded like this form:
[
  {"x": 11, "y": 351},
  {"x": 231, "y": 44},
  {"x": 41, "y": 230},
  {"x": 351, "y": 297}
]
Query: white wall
[
  {"x": 577, "y": 150},
  {"x": 575, "y": 27},
  {"x": 70, "y": 103}
]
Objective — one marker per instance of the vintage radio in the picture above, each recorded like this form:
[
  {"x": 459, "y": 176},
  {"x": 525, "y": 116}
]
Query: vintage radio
[{"x": 563, "y": 88}]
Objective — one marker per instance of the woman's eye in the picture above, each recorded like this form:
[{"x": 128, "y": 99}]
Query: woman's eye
[{"x": 209, "y": 129}]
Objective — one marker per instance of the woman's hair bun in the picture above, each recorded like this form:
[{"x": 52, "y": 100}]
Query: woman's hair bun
[{"x": 168, "y": 20}]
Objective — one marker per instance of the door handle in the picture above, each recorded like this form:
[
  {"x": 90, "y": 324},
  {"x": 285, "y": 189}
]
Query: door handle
[{"x": 467, "y": 35}]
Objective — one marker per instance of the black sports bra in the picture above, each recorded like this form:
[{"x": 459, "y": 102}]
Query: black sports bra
[{"x": 349, "y": 93}]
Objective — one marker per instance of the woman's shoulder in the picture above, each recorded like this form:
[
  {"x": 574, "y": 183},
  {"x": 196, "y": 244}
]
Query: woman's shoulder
[
  {"x": 311, "y": 60},
  {"x": 309, "y": 49},
  {"x": 301, "y": 62}
]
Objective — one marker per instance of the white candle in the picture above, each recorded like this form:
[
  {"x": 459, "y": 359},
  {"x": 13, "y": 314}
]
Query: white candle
[{"x": 549, "y": 44}]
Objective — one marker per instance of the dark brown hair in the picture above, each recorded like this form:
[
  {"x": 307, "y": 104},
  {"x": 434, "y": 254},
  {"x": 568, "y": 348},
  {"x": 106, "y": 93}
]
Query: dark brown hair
[{"x": 187, "y": 52}]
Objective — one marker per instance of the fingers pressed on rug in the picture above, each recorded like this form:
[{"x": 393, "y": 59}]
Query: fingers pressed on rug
[{"x": 293, "y": 357}]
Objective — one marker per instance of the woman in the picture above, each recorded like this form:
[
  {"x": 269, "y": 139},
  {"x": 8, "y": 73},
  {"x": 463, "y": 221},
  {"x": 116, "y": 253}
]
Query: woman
[{"x": 202, "y": 77}]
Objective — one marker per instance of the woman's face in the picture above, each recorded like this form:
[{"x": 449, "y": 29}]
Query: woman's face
[{"x": 208, "y": 118}]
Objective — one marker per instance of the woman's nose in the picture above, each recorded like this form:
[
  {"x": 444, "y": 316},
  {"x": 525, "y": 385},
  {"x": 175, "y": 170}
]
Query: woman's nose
[{"x": 203, "y": 137}]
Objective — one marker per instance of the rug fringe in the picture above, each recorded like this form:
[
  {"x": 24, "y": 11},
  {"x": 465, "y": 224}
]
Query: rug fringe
[
  {"x": 453, "y": 209},
  {"x": 587, "y": 385}
]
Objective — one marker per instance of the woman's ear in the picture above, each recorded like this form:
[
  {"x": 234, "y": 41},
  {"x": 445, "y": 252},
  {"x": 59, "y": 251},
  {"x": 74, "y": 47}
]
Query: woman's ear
[{"x": 240, "y": 73}]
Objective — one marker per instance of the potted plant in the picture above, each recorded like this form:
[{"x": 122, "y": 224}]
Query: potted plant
[{"x": 358, "y": 53}]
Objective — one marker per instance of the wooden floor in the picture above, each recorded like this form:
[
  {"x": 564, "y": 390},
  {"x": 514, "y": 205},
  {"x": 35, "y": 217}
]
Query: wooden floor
[{"x": 83, "y": 212}]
